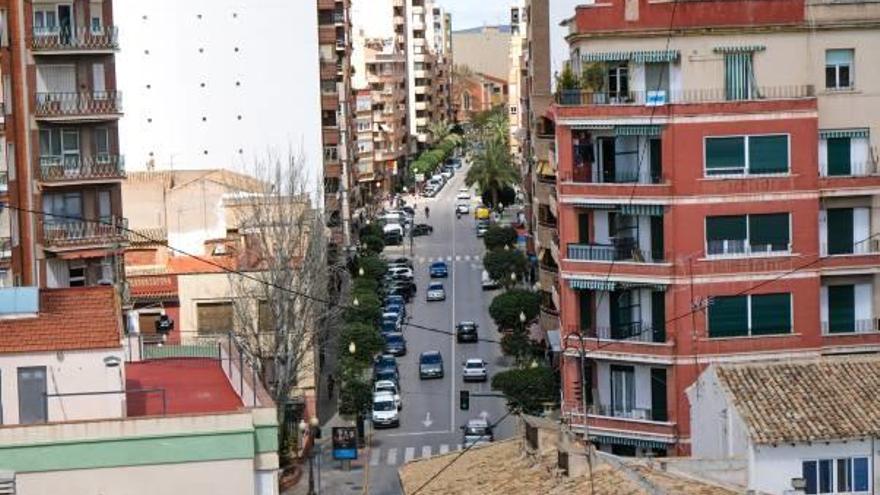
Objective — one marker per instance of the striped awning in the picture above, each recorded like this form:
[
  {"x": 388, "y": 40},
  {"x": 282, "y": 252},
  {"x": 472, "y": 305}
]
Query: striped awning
[
  {"x": 639, "y": 285},
  {"x": 638, "y": 130},
  {"x": 739, "y": 49},
  {"x": 647, "y": 210},
  {"x": 595, "y": 206},
  {"x": 629, "y": 441},
  {"x": 635, "y": 56},
  {"x": 581, "y": 284},
  {"x": 592, "y": 127},
  {"x": 843, "y": 133}
]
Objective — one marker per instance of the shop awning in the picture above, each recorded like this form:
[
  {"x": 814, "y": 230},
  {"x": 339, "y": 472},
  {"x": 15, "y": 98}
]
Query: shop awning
[
  {"x": 638, "y": 130},
  {"x": 647, "y": 210},
  {"x": 635, "y": 56},
  {"x": 843, "y": 133},
  {"x": 631, "y": 442},
  {"x": 739, "y": 49}
]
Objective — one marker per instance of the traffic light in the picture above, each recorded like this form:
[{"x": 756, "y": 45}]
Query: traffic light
[{"x": 464, "y": 400}]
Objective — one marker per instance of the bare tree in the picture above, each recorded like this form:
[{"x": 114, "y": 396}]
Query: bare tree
[{"x": 283, "y": 300}]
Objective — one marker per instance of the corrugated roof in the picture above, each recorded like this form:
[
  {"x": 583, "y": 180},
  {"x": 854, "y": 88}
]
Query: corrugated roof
[
  {"x": 69, "y": 319},
  {"x": 831, "y": 398}
]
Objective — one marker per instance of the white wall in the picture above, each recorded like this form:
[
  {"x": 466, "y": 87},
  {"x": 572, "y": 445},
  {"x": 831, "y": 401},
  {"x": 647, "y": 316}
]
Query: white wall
[
  {"x": 717, "y": 430},
  {"x": 67, "y": 372},
  {"x": 772, "y": 468},
  {"x": 272, "y": 82}
]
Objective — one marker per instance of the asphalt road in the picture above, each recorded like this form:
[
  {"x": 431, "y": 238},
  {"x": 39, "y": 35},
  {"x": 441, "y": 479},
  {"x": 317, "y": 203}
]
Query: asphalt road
[{"x": 431, "y": 419}]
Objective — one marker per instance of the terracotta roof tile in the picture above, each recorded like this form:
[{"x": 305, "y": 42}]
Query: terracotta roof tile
[
  {"x": 69, "y": 319},
  {"x": 830, "y": 398},
  {"x": 153, "y": 287},
  {"x": 203, "y": 264}
]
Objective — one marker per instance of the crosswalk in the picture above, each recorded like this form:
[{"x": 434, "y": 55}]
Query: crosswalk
[
  {"x": 448, "y": 259},
  {"x": 392, "y": 456}
]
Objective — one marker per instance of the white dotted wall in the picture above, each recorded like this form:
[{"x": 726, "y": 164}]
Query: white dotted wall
[{"x": 218, "y": 83}]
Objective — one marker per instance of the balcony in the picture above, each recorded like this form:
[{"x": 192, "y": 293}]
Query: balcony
[
  {"x": 55, "y": 170},
  {"x": 83, "y": 40},
  {"x": 625, "y": 250},
  {"x": 83, "y": 105},
  {"x": 633, "y": 332},
  {"x": 578, "y": 97},
  {"x": 5, "y": 248},
  {"x": 65, "y": 233},
  {"x": 4, "y": 181},
  {"x": 853, "y": 327}
]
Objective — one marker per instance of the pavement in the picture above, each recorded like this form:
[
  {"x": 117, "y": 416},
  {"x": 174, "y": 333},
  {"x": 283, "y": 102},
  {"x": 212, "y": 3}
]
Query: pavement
[{"x": 430, "y": 418}]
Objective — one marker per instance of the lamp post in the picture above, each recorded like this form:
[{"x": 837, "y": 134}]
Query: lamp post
[
  {"x": 361, "y": 271},
  {"x": 311, "y": 427},
  {"x": 513, "y": 283}
]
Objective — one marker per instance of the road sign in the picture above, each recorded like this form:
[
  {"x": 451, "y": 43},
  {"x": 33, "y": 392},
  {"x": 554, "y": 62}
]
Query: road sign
[
  {"x": 345, "y": 443},
  {"x": 420, "y": 177}
]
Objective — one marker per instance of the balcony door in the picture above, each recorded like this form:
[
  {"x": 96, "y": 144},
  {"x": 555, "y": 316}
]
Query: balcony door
[
  {"x": 32, "y": 407},
  {"x": 56, "y": 88},
  {"x": 623, "y": 390}
]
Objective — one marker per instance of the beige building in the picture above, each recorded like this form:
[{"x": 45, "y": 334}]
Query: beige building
[
  {"x": 484, "y": 49},
  {"x": 515, "y": 82}
]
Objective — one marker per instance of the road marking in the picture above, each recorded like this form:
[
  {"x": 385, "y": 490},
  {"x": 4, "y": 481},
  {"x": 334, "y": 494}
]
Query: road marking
[
  {"x": 427, "y": 421},
  {"x": 374, "y": 457},
  {"x": 458, "y": 258},
  {"x": 444, "y": 449},
  {"x": 392, "y": 457},
  {"x": 449, "y": 258},
  {"x": 418, "y": 433},
  {"x": 409, "y": 454},
  {"x": 426, "y": 451}
]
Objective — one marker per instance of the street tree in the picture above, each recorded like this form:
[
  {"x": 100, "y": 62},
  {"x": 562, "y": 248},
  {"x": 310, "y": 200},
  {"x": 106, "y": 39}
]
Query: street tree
[
  {"x": 527, "y": 389},
  {"x": 500, "y": 264},
  {"x": 492, "y": 169},
  {"x": 505, "y": 308},
  {"x": 373, "y": 266},
  {"x": 372, "y": 244},
  {"x": 367, "y": 343},
  {"x": 497, "y": 237},
  {"x": 356, "y": 395}
]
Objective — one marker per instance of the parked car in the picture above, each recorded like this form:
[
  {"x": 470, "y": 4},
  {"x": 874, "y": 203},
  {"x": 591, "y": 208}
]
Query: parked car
[
  {"x": 487, "y": 283},
  {"x": 421, "y": 229},
  {"x": 399, "y": 290},
  {"x": 482, "y": 227},
  {"x": 430, "y": 191},
  {"x": 399, "y": 261},
  {"x": 436, "y": 292},
  {"x": 391, "y": 388},
  {"x": 385, "y": 411},
  {"x": 462, "y": 208},
  {"x": 477, "y": 431},
  {"x": 388, "y": 374},
  {"x": 430, "y": 365},
  {"x": 438, "y": 269},
  {"x": 395, "y": 344},
  {"x": 446, "y": 174},
  {"x": 475, "y": 370},
  {"x": 409, "y": 211},
  {"x": 393, "y": 299},
  {"x": 389, "y": 326},
  {"x": 466, "y": 331},
  {"x": 396, "y": 318},
  {"x": 392, "y": 237},
  {"x": 482, "y": 213},
  {"x": 395, "y": 307},
  {"x": 400, "y": 272},
  {"x": 463, "y": 194},
  {"x": 384, "y": 362}
]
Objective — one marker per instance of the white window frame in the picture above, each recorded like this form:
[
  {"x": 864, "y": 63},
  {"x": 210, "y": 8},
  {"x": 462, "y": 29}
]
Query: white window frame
[
  {"x": 745, "y": 173},
  {"x": 834, "y": 480},
  {"x": 852, "y": 72},
  {"x": 96, "y": 14}
]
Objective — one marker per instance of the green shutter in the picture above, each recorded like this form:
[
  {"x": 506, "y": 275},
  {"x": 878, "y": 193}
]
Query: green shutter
[
  {"x": 726, "y": 228},
  {"x": 738, "y": 77},
  {"x": 725, "y": 155},
  {"x": 728, "y": 316},
  {"x": 841, "y": 308},
  {"x": 771, "y": 314},
  {"x": 839, "y": 156},
  {"x": 840, "y": 231},
  {"x": 768, "y": 154},
  {"x": 770, "y": 230}
]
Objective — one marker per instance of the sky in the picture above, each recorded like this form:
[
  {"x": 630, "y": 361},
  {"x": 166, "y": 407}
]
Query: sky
[{"x": 473, "y": 13}]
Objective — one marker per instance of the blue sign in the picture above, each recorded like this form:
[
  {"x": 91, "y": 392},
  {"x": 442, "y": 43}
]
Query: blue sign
[{"x": 345, "y": 443}]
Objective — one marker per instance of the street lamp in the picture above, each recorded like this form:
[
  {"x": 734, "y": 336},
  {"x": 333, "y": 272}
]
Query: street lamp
[
  {"x": 311, "y": 427},
  {"x": 361, "y": 271},
  {"x": 352, "y": 348},
  {"x": 356, "y": 303},
  {"x": 522, "y": 316}
]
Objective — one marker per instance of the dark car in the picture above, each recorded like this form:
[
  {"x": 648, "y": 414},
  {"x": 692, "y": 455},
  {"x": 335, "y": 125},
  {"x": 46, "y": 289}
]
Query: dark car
[
  {"x": 430, "y": 365},
  {"x": 384, "y": 362},
  {"x": 439, "y": 269},
  {"x": 395, "y": 344},
  {"x": 388, "y": 374},
  {"x": 389, "y": 326},
  {"x": 399, "y": 290},
  {"x": 409, "y": 210},
  {"x": 392, "y": 238},
  {"x": 394, "y": 301},
  {"x": 407, "y": 285},
  {"x": 421, "y": 229},
  {"x": 466, "y": 331},
  {"x": 395, "y": 307}
]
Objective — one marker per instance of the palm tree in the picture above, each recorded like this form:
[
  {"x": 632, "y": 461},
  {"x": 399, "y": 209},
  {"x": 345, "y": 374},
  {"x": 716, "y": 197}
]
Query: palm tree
[{"x": 492, "y": 169}]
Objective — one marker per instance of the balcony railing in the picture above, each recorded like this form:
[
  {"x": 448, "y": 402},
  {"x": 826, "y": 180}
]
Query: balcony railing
[
  {"x": 82, "y": 103},
  {"x": 740, "y": 248},
  {"x": 623, "y": 251},
  {"x": 867, "y": 246},
  {"x": 856, "y": 169},
  {"x": 577, "y": 97},
  {"x": 84, "y": 232},
  {"x": 59, "y": 169},
  {"x": 81, "y": 39},
  {"x": 625, "y": 413},
  {"x": 871, "y": 325},
  {"x": 621, "y": 176},
  {"x": 633, "y": 332}
]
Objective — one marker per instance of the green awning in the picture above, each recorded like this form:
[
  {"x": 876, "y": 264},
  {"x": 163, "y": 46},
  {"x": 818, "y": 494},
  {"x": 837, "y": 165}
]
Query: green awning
[
  {"x": 638, "y": 130},
  {"x": 647, "y": 210},
  {"x": 635, "y": 56},
  {"x": 843, "y": 133},
  {"x": 629, "y": 441},
  {"x": 739, "y": 49},
  {"x": 595, "y": 206},
  {"x": 581, "y": 284},
  {"x": 639, "y": 285},
  {"x": 592, "y": 127}
]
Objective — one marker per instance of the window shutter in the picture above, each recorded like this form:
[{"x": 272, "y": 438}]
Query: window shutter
[
  {"x": 769, "y": 230},
  {"x": 728, "y": 316},
  {"x": 214, "y": 318},
  {"x": 771, "y": 314},
  {"x": 839, "y": 159},
  {"x": 725, "y": 228},
  {"x": 841, "y": 308},
  {"x": 768, "y": 154},
  {"x": 840, "y": 231},
  {"x": 725, "y": 155}
]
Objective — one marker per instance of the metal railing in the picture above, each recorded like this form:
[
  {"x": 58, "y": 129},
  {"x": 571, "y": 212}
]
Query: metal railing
[
  {"x": 81, "y": 103},
  {"x": 742, "y": 248},
  {"x": 114, "y": 229},
  {"x": 634, "y": 332},
  {"x": 56, "y": 38},
  {"x": 870, "y": 325},
  {"x": 578, "y": 97},
  {"x": 856, "y": 169},
  {"x": 867, "y": 246},
  {"x": 625, "y": 413},
  {"x": 621, "y": 176},
  {"x": 56, "y": 169},
  {"x": 612, "y": 252}
]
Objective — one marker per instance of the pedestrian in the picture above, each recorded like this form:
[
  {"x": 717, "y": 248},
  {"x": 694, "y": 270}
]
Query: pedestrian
[{"x": 330, "y": 383}]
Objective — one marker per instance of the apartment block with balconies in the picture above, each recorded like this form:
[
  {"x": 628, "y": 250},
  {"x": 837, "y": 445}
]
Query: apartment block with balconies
[{"x": 715, "y": 189}]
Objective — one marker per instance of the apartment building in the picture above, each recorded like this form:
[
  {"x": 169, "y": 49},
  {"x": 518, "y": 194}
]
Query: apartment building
[
  {"x": 716, "y": 195},
  {"x": 429, "y": 68},
  {"x": 518, "y": 40},
  {"x": 61, "y": 164}
]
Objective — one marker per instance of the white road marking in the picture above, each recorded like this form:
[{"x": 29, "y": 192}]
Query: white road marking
[
  {"x": 392, "y": 457},
  {"x": 449, "y": 258},
  {"x": 458, "y": 258},
  {"x": 426, "y": 451},
  {"x": 444, "y": 449},
  {"x": 409, "y": 455},
  {"x": 374, "y": 457},
  {"x": 427, "y": 421},
  {"x": 418, "y": 433}
]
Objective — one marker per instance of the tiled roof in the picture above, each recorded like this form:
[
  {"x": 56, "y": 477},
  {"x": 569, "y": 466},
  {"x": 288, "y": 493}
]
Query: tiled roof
[
  {"x": 153, "y": 287},
  {"x": 69, "y": 319},
  {"x": 502, "y": 469},
  {"x": 831, "y": 398},
  {"x": 148, "y": 236}
]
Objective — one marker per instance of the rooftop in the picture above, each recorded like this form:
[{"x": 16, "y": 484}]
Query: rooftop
[
  {"x": 830, "y": 398},
  {"x": 68, "y": 319},
  {"x": 178, "y": 386}
]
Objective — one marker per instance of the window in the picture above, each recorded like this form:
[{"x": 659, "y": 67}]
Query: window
[
  {"x": 45, "y": 20},
  {"x": 102, "y": 144},
  {"x": 747, "y": 155},
  {"x": 618, "y": 81},
  {"x": 76, "y": 274},
  {"x": 841, "y": 308},
  {"x": 747, "y": 234},
  {"x": 839, "y": 69},
  {"x": 62, "y": 207},
  {"x": 331, "y": 153},
  {"x": 32, "y": 407},
  {"x": 839, "y": 159},
  {"x": 96, "y": 18},
  {"x": 843, "y": 475},
  {"x": 739, "y": 76},
  {"x": 755, "y": 315},
  {"x": 623, "y": 390},
  {"x": 105, "y": 211},
  {"x": 847, "y": 231},
  {"x": 214, "y": 317}
]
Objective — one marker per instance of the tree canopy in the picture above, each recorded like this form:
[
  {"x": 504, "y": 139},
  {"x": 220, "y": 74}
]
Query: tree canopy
[
  {"x": 527, "y": 389},
  {"x": 506, "y": 307}
]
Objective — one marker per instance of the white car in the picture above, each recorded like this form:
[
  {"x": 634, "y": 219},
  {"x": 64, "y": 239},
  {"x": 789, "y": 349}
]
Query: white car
[
  {"x": 462, "y": 208},
  {"x": 436, "y": 292},
  {"x": 400, "y": 272},
  {"x": 475, "y": 370},
  {"x": 385, "y": 412},
  {"x": 463, "y": 194},
  {"x": 446, "y": 175},
  {"x": 389, "y": 387}
]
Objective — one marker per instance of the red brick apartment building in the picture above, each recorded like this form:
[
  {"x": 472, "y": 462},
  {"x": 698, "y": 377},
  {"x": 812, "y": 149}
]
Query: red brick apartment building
[{"x": 716, "y": 200}]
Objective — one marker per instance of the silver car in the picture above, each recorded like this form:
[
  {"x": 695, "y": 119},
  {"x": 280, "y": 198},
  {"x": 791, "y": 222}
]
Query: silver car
[
  {"x": 436, "y": 292},
  {"x": 475, "y": 370}
]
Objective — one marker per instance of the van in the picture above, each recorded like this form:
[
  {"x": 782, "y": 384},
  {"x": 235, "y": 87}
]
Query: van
[{"x": 391, "y": 218}]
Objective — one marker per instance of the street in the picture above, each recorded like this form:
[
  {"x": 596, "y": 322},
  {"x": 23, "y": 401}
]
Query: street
[{"x": 431, "y": 418}]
